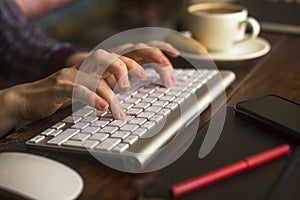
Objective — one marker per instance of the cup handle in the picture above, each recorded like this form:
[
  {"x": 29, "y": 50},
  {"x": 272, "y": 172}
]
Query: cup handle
[{"x": 255, "y": 29}]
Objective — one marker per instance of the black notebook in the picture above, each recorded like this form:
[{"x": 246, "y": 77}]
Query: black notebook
[{"x": 238, "y": 140}]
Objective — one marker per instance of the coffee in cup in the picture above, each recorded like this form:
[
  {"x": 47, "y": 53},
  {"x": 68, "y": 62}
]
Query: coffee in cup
[{"x": 219, "y": 26}]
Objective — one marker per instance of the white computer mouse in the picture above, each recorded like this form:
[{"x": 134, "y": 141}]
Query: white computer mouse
[{"x": 35, "y": 177}]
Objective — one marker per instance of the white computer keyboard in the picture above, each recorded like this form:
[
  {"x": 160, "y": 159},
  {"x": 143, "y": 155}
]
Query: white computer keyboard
[{"x": 89, "y": 130}]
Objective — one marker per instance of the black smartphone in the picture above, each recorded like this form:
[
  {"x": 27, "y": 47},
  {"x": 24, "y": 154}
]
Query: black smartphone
[{"x": 275, "y": 112}]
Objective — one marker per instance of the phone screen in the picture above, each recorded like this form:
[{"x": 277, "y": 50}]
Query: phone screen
[{"x": 273, "y": 110}]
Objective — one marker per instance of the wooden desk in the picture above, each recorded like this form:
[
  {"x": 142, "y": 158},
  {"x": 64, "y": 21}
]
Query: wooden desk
[{"x": 278, "y": 73}]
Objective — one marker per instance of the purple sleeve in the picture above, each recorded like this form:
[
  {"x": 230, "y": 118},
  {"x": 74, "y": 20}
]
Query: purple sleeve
[{"x": 26, "y": 52}]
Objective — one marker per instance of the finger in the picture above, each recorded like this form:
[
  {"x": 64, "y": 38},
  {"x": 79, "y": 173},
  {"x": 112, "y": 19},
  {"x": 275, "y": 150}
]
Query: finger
[
  {"x": 106, "y": 93},
  {"x": 146, "y": 54},
  {"x": 119, "y": 69},
  {"x": 85, "y": 95},
  {"x": 133, "y": 67},
  {"x": 167, "y": 47},
  {"x": 120, "y": 50},
  {"x": 70, "y": 82},
  {"x": 166, "y": 75},
  {"x": 104, "y": 64},
  {"x": 111, "y": 80}
]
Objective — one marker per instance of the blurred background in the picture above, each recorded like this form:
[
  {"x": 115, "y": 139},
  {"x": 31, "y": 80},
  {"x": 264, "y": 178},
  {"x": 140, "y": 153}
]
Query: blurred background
[{"x": 88, "y": 22}]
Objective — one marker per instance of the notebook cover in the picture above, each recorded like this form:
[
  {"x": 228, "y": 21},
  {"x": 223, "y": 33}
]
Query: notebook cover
[{"x": 238, "y": 140}]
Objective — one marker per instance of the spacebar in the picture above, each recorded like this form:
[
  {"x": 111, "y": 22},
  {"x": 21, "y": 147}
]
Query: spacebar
[{"x": 64, "y": 136}]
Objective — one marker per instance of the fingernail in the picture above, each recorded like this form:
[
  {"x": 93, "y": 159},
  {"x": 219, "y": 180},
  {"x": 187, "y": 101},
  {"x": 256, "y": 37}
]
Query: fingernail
[
  {"x": 124, "y": 82},
  {"x": 165, "y": 61},
  {"x": 174, "y": 79},
  {"x": 168, "y": 83},
  {"x": 122, "y": 115},
  {"x": 175, "y": 53},
  {"x": 142, "y": 73},
  {"x": 103, "y": 105}
]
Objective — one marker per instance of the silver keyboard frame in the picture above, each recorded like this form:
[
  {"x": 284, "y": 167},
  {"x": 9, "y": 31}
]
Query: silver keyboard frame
[{"x": 139, "y": 155}]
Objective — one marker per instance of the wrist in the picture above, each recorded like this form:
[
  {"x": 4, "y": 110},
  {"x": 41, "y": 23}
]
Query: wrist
[{"x": 8, "y": 115}]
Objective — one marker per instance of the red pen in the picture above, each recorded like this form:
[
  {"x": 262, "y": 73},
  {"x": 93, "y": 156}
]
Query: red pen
[{"x": 209, "y": 178}]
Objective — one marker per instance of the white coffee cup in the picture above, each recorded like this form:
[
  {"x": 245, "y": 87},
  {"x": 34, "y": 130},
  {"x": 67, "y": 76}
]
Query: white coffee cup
[{"x": 219, "y": 26}]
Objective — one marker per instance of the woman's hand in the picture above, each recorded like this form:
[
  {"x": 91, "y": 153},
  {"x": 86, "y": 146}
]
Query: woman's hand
[{"x": 151, "y": 53}]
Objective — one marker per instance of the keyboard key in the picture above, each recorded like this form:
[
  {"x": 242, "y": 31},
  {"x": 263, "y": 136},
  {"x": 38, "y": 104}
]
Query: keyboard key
[
  {"x": 86, "y": 144},
  {"x": 74, "y": 143},
  {"x": 99, "y": 136},
  {"x": 175, "y": 92},
  {"x": 100, "y": 123},
  {"x": 121, "y": 147},
  {"x": 157, "y": 118},
  {"x": 178, "y": 88},
  {"x": 56, "y": 133},
  {"x": 48, "y": 131},
  {"x": 37, "y": 139},
  {"x": 156, "y": 95},
  {"x": 138, "y": 121},
  {"x": 178, "y": 100},
  {"x": 185, "y": 95},
  {"x": 88, "y": 107},
  {"x": 90, "y": 144},
  {"x": 167, "y": 98},
  {"x": 154, "y": 109},
  {"x": 108, "y": 144},
  {"x": 134, "y": 111},
  {"x": 140, "y": 132},
  {"x": 109, "y": 129},
  {"x": 90, "y": 119},
  {"x": 80, "y": 125},
  {"x": 129, "y": 127},
  {"x": 162, "y": 90},
  {"x": 108, "y": 117},
  {"x": 164, "y": 112},
  {"x": 149, "y": 125},
  {"x": 161, "y": 103},
  {"x": 81, "y": 136},
  {"x": 146, "y": 115},
  {"x": 123, "y": 97},
  {"x": 141, "y": 95},
  {"x": 121, "y": 134},
  {"x": 91, "y": 130},
  {"x": 127, "y": 105},
  {"x": 147, "y": 90},
  {"x": 72, "y": 120},
  {"x": 172, "y": 106},
  {"x": 83, "y": 113},
  {"x": 101, "y": 113},
  {"x": 142, "y": 105},
  {"x": 134, "y": 100},
  {"x": 131, "y": 139},
  {"x": 118, "y": 123},
  {"x": 129, "y": 117},
  {"x": 149, "y": 100},
  {"x": 59, "y": 125},
  {"x": 64, "y": 136}
]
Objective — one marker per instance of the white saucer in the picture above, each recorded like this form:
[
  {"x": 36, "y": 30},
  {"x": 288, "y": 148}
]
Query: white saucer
[{"x": 242, "y": 51}]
